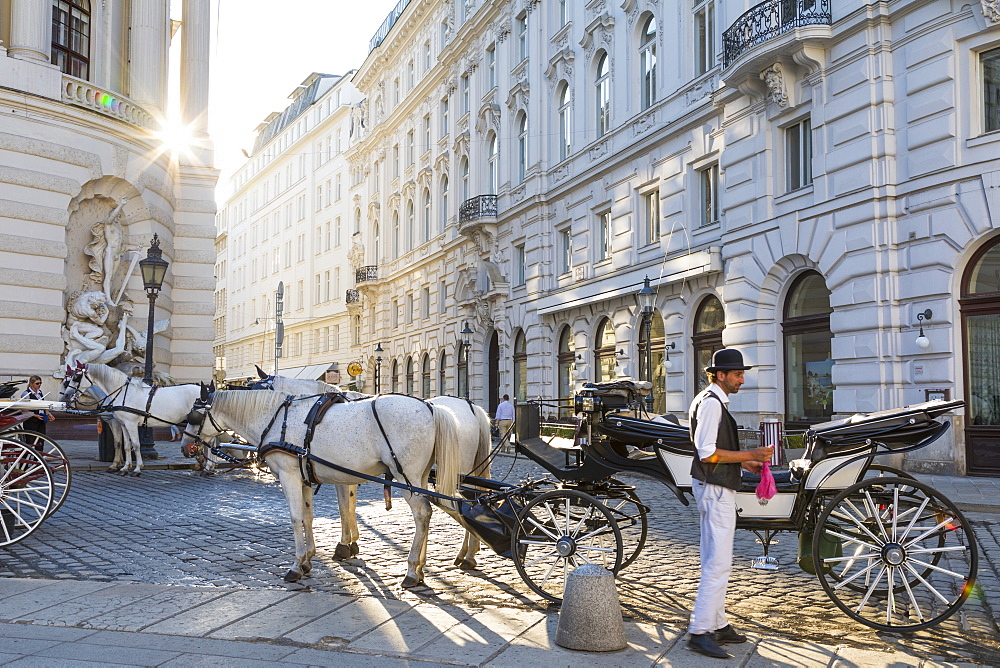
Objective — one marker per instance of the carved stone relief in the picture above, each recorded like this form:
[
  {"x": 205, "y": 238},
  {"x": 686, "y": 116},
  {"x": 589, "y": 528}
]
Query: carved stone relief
[
  {"x": 775, "y": 82},
  {"x": 991, "y": 10}
]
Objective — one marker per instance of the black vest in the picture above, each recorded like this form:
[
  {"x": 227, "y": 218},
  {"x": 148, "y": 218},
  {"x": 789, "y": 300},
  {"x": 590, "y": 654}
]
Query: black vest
[{"x": 724, "y": 475}]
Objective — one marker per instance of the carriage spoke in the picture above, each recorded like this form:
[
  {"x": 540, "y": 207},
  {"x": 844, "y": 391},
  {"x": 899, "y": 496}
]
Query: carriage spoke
[
  {"x": 837, "y": 534},
  {"x": 851, "y": 559},
  {"x": 544, "y": 556},
  {"x": 938, "y": 568},
  {"x": 916, "y": 516},
  {"x": 926, "y": 584},
  {"x": 583, "y": 519},
  {"x": 930, "y": 531},
  {"x": 859, "y": 523},
  {"x": 548, "y": 573},
  {"x": 895, "y": 506},
  {"x": 871, "y": 589},
  {"x": 873, "y": 509},
  {"x": 913, "y": 599},
  {"x": 865, "y": 570},
  {"x": 542, "y": 528},
  {"x": 934, "y": 550}
]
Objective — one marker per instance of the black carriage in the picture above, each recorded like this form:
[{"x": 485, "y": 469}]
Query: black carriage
[{"x": 889, "y": 550}]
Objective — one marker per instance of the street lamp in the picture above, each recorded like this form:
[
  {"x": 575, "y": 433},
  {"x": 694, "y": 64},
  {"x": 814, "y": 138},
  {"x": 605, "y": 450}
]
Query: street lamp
[
  {"x": 647, "y": 296},
  {"x": 465, "y": 342},
  {"x": 153, "y": 269},
  {"x": 378, "y": 367}
]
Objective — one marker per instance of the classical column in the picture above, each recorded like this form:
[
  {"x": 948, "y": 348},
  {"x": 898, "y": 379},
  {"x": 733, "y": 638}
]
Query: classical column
[
  {"x": 195, "y": 47},
  {"x": 30, "y": 30},
  {"x": 148, "y": 53}
]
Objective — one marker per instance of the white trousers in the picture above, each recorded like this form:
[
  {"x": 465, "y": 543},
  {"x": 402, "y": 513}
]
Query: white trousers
[{"x": 717, "y": 508}]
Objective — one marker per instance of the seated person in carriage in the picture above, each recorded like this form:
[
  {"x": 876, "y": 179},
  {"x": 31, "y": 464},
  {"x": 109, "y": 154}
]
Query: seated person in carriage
[{"x": 715, "y": 470}]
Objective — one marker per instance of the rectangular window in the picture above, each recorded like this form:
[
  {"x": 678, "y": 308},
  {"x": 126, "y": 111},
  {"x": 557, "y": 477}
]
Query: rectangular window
[
  {"x": 395, "y": 90},
  {"x": 563, "y": 14},
  {"x": 336, "y": 282},
  {"x": 338, "y": 188},
  {"x": 704, "y": 36},
  {"x": 603, "y": 236},
  {"x": 326, "y": 235},
  {"x": 395, "y": 161},
  {"x": 519, "y": 261},
  {"x": 336, "y": 232},
  {"x": 302, "y": 207},
  {"x": 464, "y": 86},
  {"x": 444, "y": 117},
  {"x": 427, "y": 134},
  {"x": 329, "y": 189},
  {"x": 276, "y": 261},
  {"x": 317, "y": 289},
  {"x": 301, "y": 248},
  {"x": 491, "y": 66},
  {"x": 566, "y": 252},
  {"x": 300, "y": 294},
  {"x": 798, "y": 155},
  {"x": 335, "y": 338},
  {"x": 409, "y": 148},
  {"x": 409, "y": 75},
  {"x": 326, "y": 286},
  {"x": 651, "y": 213},
  {"x": 288, "y": 254},
  {"x": 442, "y": 297},
  {"x": 522, "y": 37},
  {"x": 709, "y": 195},
  {"x": 319, "y": 198},
  {"x": 395, "y": 313},
  {"x": 409, "y": 309},
  {"x": 427, "y": 55},
  {"x": 425, "y": 303},
  {"x": 288, "y": 215},
  {"x": 318, "y": 245},
  {"x": 991, "y": 90}
]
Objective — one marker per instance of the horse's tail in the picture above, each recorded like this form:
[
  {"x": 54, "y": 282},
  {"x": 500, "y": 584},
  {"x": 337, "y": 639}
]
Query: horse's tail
[
  {"x": 482, "y": 468},
  {"x": 446, "y": 451}
]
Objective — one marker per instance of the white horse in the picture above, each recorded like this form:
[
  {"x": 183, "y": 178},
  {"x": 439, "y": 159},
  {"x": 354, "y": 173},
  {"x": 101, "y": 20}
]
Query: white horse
[
  {"x": 128, "y": 399},
  {"x": 412, "y": 436},
  {"x": 474, "y": 444}
]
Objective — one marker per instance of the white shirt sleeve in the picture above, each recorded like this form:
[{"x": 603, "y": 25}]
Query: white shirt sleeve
[{"x": 706, "y": 434}]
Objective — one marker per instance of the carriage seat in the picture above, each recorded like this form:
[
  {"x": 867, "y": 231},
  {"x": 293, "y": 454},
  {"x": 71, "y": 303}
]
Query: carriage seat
[{"x": 782, "y": 480}]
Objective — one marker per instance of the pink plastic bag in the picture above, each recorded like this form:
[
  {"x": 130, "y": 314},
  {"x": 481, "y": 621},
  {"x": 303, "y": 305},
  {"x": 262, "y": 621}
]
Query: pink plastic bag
[{"x": 766, "y": 489}]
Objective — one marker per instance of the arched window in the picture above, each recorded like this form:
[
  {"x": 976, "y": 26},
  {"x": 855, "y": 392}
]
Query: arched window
[
  {"x": 709, "y": 321},
  {"x": 442, "y": 377},
  {"x": 394, "y": 378},
  {"x": 444, "y": 203},
  {"x": 71, "y": 37},
  {"x": 522, "y": 148},
  {"x": 565, "y": 123},
  {"x": 566, "y": 365},
  {"x": 520, "y": 367},
  {"x": 409, "y": 375},
  {"x": 605, "y": 353},
  {"x": 357, "y": 220},
  {"x": 808, "y": 360},
  {"x": 411, "y": 226},
  {"x": 657, "y": 349},
  {"x": 465, "y": 179},
  {"x": 494, "y": 164},
  {"x": 396, "y": 236},
  {"x": 980, "y": 305},
  {"x": 425, "y": 377},
  {"x": 647, "y": 63},
  {"x": 602, "y": 89},
  {"x": 427, "y": 214}
]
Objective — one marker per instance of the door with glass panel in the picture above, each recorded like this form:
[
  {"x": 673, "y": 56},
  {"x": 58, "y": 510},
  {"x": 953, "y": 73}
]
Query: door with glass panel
[{"x": 980, "y": 305}]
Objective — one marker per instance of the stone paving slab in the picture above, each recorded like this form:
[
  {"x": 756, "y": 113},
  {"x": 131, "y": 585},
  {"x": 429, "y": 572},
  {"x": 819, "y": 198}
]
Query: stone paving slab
[
  {"x": 414, "y": 628},
  {"x": 782, "y": 653},
  {"x": 481, "y": 636},
  {"x": 107, "y": 654},
  {"x": 234, "y": 649},
  {"x": 87, "y": 604},
  {"x": 284, "y": 616},
  {"x": 348, "y": 622},
  {"x": 21, "y": 597},
  {"x": 218, "y": 612}
]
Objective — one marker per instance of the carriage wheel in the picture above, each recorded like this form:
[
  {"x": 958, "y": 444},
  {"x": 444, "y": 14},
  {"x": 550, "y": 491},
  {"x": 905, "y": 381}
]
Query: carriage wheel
[
  {"x": 630, "y": 515},
  {"x": 55, "y": 458},
  {"x": 26, "y": 491},
  {"x": 558, "y": 531},
  {"x": 911, "y": 549},
  {"x": 883, "y": 471}
]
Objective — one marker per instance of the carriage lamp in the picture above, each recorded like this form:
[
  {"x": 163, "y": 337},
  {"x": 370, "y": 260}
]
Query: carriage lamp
[
  {"x": 922, "y": 341},
  {"x": 667, "y": 364},
  {"x": 646, "y": 297},
  {"x": 153, "y": 268},
  {"x": 378, "y": 367}
]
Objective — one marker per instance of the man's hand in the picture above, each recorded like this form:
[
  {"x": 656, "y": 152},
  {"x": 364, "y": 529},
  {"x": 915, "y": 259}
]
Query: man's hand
[
  {"x": 761, "y": 454},
  {"x": 753, "y": 467}
]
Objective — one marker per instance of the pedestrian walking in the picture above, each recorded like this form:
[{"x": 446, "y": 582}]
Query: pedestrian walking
[
  {"x": 176, "y": 431},
  {"x": 505, "y": 418},
  {"x": 716, "y": 478},
  {"x": 38, "y": 419}
]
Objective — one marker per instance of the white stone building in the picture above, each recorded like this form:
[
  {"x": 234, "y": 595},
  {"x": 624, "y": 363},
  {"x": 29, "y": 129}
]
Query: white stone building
[
  {"x": 86, "y": 180},
  {"x": 814, "y": 183},
  {"x": 289, "y": 221}
]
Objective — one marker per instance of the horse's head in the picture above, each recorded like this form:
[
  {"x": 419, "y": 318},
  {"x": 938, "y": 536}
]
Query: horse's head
[
  {"x": 71, "y": 383},
  {"x": 201, "y": 427},
  {"x": 264, "y": 381}
]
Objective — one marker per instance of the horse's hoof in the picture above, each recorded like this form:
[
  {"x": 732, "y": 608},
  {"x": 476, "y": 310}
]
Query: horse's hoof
[
  {"x": 342, "y": 552},
  {"x": 123, "y": 472},
  {"x": 354, "y": 549},
  {"x": 410, "y": 582},
  {"x": 111, "y": 469},
  {"x": 306, "y": 568},
  {"x": 293, "y": 576},
  {"x": 136, "y": 474},
  {"x": 467, "y": 565}
]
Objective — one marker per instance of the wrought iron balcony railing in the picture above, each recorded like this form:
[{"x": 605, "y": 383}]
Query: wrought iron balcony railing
[
  {"x": 365, "y": 274},
  {"x": 483, "y": 206},
  {"x": 353, "y": 296},
  {"x": 768, "y": 20}
]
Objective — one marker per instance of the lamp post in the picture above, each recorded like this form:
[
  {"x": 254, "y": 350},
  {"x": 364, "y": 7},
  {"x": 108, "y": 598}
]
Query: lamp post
[
  {"x": 153, "y": 268},
  {"x": 646, "y": 298},
  {"x": 465, "y": 343},
  {"x": 378, "y": 367}
]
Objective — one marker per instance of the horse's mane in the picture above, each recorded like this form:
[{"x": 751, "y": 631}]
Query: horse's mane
[
  {"x": 243, "y": 405},
  {"x": 108, "y": 376},
  {"x": 307, "y": 386}
]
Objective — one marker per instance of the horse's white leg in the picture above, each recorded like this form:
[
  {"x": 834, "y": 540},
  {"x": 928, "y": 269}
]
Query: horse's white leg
[
  {"x": 130, "y": 441},
  {"x": 118, "y": 438},
  {"x": 421, "y": 508},
  {"x": 347, "y": 502},
  {"x": 295, "y": 495},
  {"x": 466, "y": 559},
  {"x": 137, "y": 448}
]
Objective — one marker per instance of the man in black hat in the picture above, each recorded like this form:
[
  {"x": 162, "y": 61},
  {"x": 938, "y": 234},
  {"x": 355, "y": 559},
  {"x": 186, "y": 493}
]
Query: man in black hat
[{"x": 716, "y": 478}]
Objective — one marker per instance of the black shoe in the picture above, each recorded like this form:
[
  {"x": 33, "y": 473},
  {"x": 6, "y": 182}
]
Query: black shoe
[
  {"x": 704, "y": 643},
  {"x": 729, "y": 635}
]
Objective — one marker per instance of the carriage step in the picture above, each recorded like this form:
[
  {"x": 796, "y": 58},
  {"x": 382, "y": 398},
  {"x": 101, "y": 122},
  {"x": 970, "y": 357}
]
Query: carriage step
[{"x": 764, "y": 563}]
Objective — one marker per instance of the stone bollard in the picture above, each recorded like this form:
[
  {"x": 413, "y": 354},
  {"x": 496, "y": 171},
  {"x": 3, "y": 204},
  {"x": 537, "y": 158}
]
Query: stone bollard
[{"x": 591, "y": 616}]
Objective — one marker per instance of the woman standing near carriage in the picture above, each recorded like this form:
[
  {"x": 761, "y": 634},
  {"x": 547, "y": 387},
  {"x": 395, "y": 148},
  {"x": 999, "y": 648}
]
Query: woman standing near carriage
[{"x": 38, "y": 419}]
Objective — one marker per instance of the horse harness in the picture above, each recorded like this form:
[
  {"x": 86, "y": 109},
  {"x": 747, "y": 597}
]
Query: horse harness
[{"x": 105, "y": 404}]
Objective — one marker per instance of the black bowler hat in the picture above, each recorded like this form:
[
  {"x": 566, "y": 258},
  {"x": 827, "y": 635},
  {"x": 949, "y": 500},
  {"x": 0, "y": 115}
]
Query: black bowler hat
[{"x": 727, "y": 359}]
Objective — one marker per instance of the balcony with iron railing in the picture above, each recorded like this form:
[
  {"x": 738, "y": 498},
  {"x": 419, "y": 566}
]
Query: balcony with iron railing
[
  {"x": 353, "y": 296},
  {"x": 366, "y": 274},
  {"x": 773, "y": 19},
  {"x": 478, "y": 213}
]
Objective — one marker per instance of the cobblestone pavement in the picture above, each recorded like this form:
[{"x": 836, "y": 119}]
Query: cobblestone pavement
[{"x": 172, "y": 527}]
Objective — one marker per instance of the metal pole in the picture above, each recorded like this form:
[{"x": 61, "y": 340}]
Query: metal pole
[
  {"x": 647, "y": 325},
  {"x": 146, "y": 444},
  {"x": 378, "y": 375}
]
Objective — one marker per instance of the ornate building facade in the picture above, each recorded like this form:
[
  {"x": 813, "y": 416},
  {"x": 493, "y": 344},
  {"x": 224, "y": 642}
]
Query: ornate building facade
[
  {"x": 815, "y": 183},
  {"x": 87, "y": 179}
]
